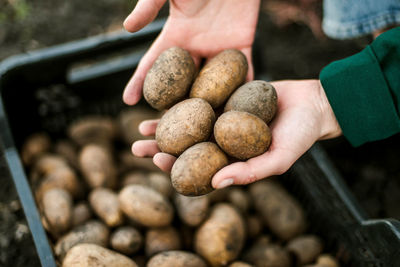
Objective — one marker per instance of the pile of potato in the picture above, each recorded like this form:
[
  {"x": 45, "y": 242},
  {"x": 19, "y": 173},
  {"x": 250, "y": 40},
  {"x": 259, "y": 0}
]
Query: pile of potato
[
  {"x": 101, "y": 206},
  {"x": 240, "y": 132}
]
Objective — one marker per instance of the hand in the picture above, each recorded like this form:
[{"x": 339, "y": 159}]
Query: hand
[
  {"x": 204, "y": 28},
  {"x": 304, "y": 116}
]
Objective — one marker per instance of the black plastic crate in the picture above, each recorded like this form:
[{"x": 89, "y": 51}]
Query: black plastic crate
[{"x": 88, "y": 77}]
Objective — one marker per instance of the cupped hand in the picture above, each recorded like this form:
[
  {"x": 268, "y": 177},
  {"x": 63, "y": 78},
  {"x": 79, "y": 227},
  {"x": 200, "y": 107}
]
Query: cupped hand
[
  {"x": 304, "y": 116},
  {"x": 204, "y": 28}
]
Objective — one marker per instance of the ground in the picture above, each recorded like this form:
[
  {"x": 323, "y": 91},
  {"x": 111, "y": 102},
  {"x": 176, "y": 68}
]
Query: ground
[{"x": 288, "y": 52}]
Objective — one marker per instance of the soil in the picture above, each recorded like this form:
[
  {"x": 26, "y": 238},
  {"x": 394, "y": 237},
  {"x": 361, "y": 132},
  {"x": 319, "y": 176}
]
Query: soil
[{"x": 291, "y": 52}]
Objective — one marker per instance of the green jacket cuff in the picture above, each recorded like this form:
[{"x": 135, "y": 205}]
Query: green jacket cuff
[{"x": 361, "y": 98}]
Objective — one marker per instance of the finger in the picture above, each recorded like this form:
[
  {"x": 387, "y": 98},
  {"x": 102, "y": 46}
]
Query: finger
[
  {"x": 250, "y": 72},
  {"x": 145, "y": 148},
  {"x": 148, "y": 128},
  {"x": 144, "y": 12},
  {"x": 273, "y": 162},
  {"x": 164, "y": 161},
  {"x": 133, "y": 90},
  {"x": 197, "y": 61}
]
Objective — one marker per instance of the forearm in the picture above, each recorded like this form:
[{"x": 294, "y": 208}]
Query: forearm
[{"x": 364, "y": 90}]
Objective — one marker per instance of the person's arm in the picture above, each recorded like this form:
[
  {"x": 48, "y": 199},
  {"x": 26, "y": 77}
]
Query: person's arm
[{"x": 364, "y": 90}]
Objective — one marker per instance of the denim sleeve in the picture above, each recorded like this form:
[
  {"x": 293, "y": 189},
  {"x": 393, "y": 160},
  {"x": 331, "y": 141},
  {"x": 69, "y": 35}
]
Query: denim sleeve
[
  {"x": 344, "y": 19},
  {"x": 364, "y": 90}
]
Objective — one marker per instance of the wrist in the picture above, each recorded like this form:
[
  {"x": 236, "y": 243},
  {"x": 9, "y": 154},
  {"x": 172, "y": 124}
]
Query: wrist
[{"x": 330, "y": 127}]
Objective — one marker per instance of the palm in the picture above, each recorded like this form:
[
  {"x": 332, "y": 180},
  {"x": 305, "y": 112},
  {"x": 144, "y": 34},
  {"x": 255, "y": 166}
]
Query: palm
[
  {"x": 204, "y": 28},
  {"x": 304, "y": 116}
]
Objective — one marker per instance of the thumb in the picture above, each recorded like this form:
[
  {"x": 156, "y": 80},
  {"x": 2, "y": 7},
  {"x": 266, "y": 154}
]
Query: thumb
[
  {"x": 144, "y": 12},
  {"x": 273, "y": 162}
]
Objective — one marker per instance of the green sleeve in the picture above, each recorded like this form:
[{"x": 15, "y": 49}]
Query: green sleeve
[{"x": 364, "y": 90}]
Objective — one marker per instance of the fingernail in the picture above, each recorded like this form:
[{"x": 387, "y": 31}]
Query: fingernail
[{"x": 225, "y": 183}]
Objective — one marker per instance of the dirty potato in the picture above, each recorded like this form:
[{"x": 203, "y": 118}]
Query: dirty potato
[
  {"x": 34, "y": 146},
  {"x": 268, "y": 255},
  {"x": 279, "y": 210},
  {"x": 256, "y": 97},
  {"x": 129, "y": 162},
  {"x": 63, "y": 177},
  {"x": 169, "y": 79},
  {"x": 176, "y": 258},
  {"x": 192, "y": 172},
  {"x": 57, "y": 208},
  {"x": 129, "y": 120},
  {"x": 97, "y": 166},
  {"x": 185, "y": 124},
  {"x": 91, "y": 255},
  {"x": 327, "y": 260},
  {"x": 306, "y": 248},
  {"x": 221, "y": 237},
  {"x": 93, "y": 129},
  {"x": 161, "y": 239},
  {"x": 81, "y": 213},
  {"x": 220, "y": 77},
  {"x": 68, "y": 150},
  {"x": 145, "y": 205},
  {"x": 161, "y": 182},
  {"x": 105, "y": 204},
  {"x": 93, "y": 232},
  {"x": 126, "y": 239},
  {"x": 239, "y": 198},
  {"x": 192, "y": 210},
  {"x": 242, "y": 135}
]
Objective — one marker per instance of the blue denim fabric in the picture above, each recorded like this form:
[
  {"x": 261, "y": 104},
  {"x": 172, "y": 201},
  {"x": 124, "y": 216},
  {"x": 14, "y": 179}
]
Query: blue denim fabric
[{"x": 345, "y": 19}]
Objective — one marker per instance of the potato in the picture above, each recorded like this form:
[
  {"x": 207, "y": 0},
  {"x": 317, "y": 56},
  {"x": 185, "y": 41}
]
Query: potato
[
  {"x": 239, "y": 264},
  {"x": 97, "y": 166},
  {"x": 126, "y": 240},
  {"x": 93, "y": 129},
  {"x": 242, "y": 135},
  {"x": 254, "y": 226},
  {"x": 306, "y": 248},
  {"x": 129, "y": 120},
  {"x": 130, "y": 162},
  {"x": 57, "y": 207},
  {"x": 81, "y": 213},
  {"x": 63, "y": 177},
  {"x": 161, "y": 239},
  {"x": 239, "y": 198},
  {"x": 221, "y": 237},
  {"x": 105, "y": 204},
  {"x": 135, "y": 177},
  {"x": 67, "y": 150},
  {"x": 220, "y": 77},
  {"x": 268, "y": 255},
  {"x": 161, "y": 182},
  {"x": 326, "y": 260},
  {"x": 46, "y": 164},
  {"x": 93, "y": 232},
  {"x": 177, "y": 259},
  {"x": 91, "y": 255},
  {"x": 187, "y": 123},
  {"x": 169, "y": 79},
  {"x": 191, "y": 210},
  {"x": 279, "y": 210},
  {"x": 145, "y": 206},
  {"x": 34, "y": 146},
  {"x": 256, "y": 97},
  {"x": 192, "y": 172}
]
